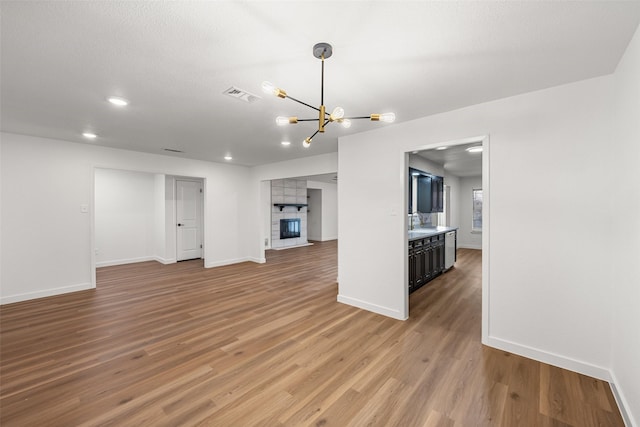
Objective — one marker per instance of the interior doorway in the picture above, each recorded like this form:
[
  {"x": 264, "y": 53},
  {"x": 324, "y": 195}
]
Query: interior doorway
[
  {"x": 134, "y": 218},
  {"x": 462, "y": 168}
]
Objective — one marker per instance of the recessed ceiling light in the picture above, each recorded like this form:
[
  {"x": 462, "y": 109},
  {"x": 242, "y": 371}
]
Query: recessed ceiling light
[
  {"x": 442, "y": 148},
  {"x": 228, "y": 158},
  {"x": 89, "y": 135},
  {"x": 475, "y": 149},
  {"x": 285, "y": 143},
  {"x": 120, "y": 102},
  {"x": 414, "y": 152}
]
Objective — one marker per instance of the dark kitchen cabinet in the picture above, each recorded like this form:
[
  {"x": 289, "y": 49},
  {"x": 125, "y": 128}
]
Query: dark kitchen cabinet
[
  {"x": 426, "y": 260},
  {"x": 429, "y": 192},
  {"x": 412, "y": 267},
  {"x": 424, "y": 193},
  {"x": 437, "y": 194},
  {"x": 420, "y": 264},
  {"x": 438, "y": 253}
]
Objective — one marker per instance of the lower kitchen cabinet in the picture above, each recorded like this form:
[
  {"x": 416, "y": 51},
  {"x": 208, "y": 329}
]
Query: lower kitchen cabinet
[{"x": 426, "y": 260}]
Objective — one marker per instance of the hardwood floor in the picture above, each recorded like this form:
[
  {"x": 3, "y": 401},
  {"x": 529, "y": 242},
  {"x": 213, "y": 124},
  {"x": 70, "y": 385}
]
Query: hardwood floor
[{"x": 268, "y": 345}]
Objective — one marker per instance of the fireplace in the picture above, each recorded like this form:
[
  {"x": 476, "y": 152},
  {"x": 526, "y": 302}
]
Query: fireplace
[{"x": 289, "y": 228}]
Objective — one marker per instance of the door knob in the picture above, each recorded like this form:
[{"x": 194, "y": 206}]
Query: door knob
[{"x": 180, "y": 225}]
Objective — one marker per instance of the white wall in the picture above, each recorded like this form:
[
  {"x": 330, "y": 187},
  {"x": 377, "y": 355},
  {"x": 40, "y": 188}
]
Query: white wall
[
  {"x": 170, "y": 232},
  {"x": 548, "y": 296},
  {"x": 265, "y": 209},
  {"x": 329, "y": 212},
  {"x": 125, "y": 218},
  {"x": 420, "y": 163},
  {"x": 314, "y": 214},
  {"x": 49, "y": 250},
  {"x": 624, "y": 224},
  {"x": 466, "y": 238},
  {"x": 454, "y": 203},
  {"x": 159, "y": 217}
]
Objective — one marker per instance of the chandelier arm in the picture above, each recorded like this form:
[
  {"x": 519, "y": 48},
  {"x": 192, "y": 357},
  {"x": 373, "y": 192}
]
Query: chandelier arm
[
  {"x": 316, "y": 132},
  {"x": 308, "y": 120},
  {"x": 356, "y": 118},
  {"x": 303, "y": 103}
]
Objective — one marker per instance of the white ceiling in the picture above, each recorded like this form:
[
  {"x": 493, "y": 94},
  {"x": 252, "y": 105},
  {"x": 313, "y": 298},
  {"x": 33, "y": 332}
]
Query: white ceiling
[
  {"x": 456, "y": 160},
  {"x": 172, "y": 60}
]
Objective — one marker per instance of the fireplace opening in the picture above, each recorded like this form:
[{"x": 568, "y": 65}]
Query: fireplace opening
[{"x": 289, "y": 228}]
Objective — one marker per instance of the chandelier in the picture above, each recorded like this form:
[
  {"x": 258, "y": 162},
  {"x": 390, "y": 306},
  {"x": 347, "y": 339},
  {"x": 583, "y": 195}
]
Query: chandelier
[{"x": 321, "y": 51}]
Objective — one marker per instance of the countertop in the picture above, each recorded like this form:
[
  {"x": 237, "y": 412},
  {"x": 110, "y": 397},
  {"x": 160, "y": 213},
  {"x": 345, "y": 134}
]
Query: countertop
[{"x": 421, "y": 233}]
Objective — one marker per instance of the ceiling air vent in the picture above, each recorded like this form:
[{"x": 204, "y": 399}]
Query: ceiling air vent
[
  {"x": 242, "y": 95},
  {"x": 173, "y": 150}
]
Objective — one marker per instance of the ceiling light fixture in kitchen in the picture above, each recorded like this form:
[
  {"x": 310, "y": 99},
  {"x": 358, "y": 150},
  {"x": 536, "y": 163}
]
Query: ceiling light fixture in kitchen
[
  {"x": 120, "y": 102},
  {"x": 321, "y": 51},
  {"x": 475, "y": 149}
]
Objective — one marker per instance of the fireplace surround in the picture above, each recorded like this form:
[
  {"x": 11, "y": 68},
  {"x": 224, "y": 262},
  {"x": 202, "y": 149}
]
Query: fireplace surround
[{"x": 288, "y": 201}]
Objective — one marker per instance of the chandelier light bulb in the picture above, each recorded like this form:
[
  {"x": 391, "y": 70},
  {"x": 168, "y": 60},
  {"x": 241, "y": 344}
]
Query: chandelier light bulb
[
  {"x": 388, "y": 117},
  {"x": 282, "y": 120},
  {"x": 306, "y": 143},
  {"x": 269, "y": 87},
  {"x": 337, "y": 113},
  {"x": 346, "y": 123}
]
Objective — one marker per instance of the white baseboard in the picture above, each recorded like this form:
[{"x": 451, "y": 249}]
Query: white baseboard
[
  {"x": 385, "y": 311},
  {"x": 165, "y": 260},
  {"x": 45, "y": 293},
  {"x": 293, "y": 247},
  {"x": 126, "y": 261},
  {"x": 463, "y": 246},
  {"x": 234, "y": 261},
  {"x": 622, "y": 402},
  {"x": 564, "y": 362}
]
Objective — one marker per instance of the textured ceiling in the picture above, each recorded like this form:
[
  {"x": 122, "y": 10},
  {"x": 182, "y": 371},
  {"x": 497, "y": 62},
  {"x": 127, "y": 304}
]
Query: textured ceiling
[
  {"x": 456, "y": 160},
  {"x": 172, "y": 60}
]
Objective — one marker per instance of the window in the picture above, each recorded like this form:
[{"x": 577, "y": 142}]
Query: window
[{"x": 476, "y": 226}]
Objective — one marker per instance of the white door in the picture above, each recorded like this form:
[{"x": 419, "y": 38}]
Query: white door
[{"x": 189, "y": 219}]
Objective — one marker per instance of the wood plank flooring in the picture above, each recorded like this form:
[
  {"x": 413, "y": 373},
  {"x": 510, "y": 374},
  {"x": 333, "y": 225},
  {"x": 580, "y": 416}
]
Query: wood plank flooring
[{"x": 268, "y": 345}]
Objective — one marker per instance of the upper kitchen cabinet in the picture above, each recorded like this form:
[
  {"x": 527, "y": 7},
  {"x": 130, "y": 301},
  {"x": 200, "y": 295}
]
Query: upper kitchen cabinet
[
  {"x": 425, "y": 198},
  {"x": 437, "y": 192},
  {"x": 425, "y": 192}
]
